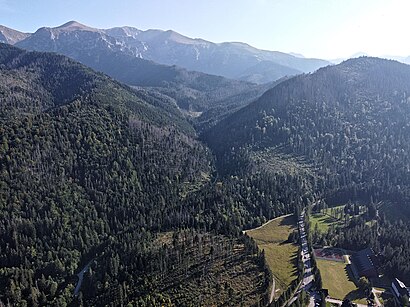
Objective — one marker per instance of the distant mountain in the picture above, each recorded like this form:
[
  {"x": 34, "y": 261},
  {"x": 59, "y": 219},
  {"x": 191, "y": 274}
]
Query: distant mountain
[
  {"x": 298, "y": 55},
  {"x": 231, "y": 60},
  {"x": 402, "y": 59},
  {"x": 266, "y": 71},
  {"x": 191, "y": 92},
  {"x": 10, "y": 36}
]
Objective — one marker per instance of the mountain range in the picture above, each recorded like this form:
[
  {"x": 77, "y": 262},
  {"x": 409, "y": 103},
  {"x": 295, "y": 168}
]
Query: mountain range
[
  {"x": 199, "y": 95},
  {"x": 231, "y": 60}
]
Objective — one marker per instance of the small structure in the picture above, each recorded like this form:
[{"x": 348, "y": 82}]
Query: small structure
[
  {"x": 401, "y": 292},
  {"x": 365, "y": 263}
]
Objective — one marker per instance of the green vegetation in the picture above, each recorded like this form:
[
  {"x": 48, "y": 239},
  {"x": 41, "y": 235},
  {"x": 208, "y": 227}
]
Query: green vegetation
[
  {"x": 80, "y": 156},
  {"x": 322, "y": 222},
  {"x": 348, "y": 122},
  {"x": 279, "y": 253},
  {"x": 179, "y": 89},
  {"x": 195, "y": 269},
  {"x": 91, "y": 169},
  {"x": 337, "y": 216},
  {"x": 354, "y": 227},
  {"x": 274, "y": 160},
  {"x": 394, "y": 212},
  {"x": 337, "y": 280}
]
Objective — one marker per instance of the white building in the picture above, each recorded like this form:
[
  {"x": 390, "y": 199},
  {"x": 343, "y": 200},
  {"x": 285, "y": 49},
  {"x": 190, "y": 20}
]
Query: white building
[{"x": 401, "y": 291}]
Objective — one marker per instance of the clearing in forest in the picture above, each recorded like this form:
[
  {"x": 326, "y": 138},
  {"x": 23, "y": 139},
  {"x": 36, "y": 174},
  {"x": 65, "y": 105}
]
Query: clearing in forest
[
  {"x": 280, "y": 255},
  {"x": 337, "y": 279}
]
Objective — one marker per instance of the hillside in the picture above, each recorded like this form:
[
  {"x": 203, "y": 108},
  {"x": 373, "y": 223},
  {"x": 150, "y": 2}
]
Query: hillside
[
  {"x": 347, "y": 128},
  {"x": 32, "y": 83},
  {"x": 83, "y": 159},
  {"x": 351, "y": 120},
  {"x": 94, "y": 172}
]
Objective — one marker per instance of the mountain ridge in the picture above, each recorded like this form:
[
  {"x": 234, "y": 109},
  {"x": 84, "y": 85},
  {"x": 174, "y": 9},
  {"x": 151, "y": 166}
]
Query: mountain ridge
[
  {"x": 193, "y": 91},
  {"x": 168, "y": 47},
  {"x": 11, "y": 36},
  {"x": 314, "y": 114}
]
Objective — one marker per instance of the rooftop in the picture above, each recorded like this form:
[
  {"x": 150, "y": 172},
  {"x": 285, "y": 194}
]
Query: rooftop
[{"x": 364, "y": 259}]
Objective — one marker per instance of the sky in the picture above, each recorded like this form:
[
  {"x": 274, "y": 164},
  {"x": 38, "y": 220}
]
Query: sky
[{"x": 326, "y": 29}]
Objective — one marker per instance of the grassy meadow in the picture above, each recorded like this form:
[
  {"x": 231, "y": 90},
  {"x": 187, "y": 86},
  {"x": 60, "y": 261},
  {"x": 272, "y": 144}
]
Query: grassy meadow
[{"x": 280, "y": 255}]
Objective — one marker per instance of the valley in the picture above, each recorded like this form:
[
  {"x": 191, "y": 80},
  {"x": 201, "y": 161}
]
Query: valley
[{"x": 148, "y": 168}]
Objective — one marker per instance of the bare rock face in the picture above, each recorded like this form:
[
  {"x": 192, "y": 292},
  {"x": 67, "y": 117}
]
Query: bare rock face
[{"x": 10, "y": 36}]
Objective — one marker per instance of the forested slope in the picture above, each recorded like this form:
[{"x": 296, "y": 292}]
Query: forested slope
[
  {"x": 92, "y": 171},
  {"x": 350, "y": 120},
  {"x": 349, "y": 127},
  {"x": 83, "y": 159}
]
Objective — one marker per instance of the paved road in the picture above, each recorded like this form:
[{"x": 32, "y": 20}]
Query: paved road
[
  {"x": 307, "y": 281},
  {"x": 308, "y": 276},
  {"x": 376, "y": 298},
  {"x": 311, "y": 301}
]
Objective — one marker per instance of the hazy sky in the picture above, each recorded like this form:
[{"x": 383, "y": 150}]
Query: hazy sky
[{"x": 315, "y": 28}]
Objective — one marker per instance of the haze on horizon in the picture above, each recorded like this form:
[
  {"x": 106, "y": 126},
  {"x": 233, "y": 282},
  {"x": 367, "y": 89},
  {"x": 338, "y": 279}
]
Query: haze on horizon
[{"x": 327, "y": 29}]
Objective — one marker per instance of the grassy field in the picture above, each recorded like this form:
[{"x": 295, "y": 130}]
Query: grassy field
[
  {"x": 336, "y": 279},
  {"x": 280, "y": 255},
  {"x": 322, "y": 221},
  {"x": 325, "y": 220}
]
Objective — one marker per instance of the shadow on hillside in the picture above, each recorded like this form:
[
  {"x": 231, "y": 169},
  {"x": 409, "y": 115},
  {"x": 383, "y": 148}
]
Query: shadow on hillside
[
  {"x": 289, "y": 221},
  {"x": 355, "y": 294},
  {"x": 328, "y": 219},
  {"x": 294, "y": 261}
]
